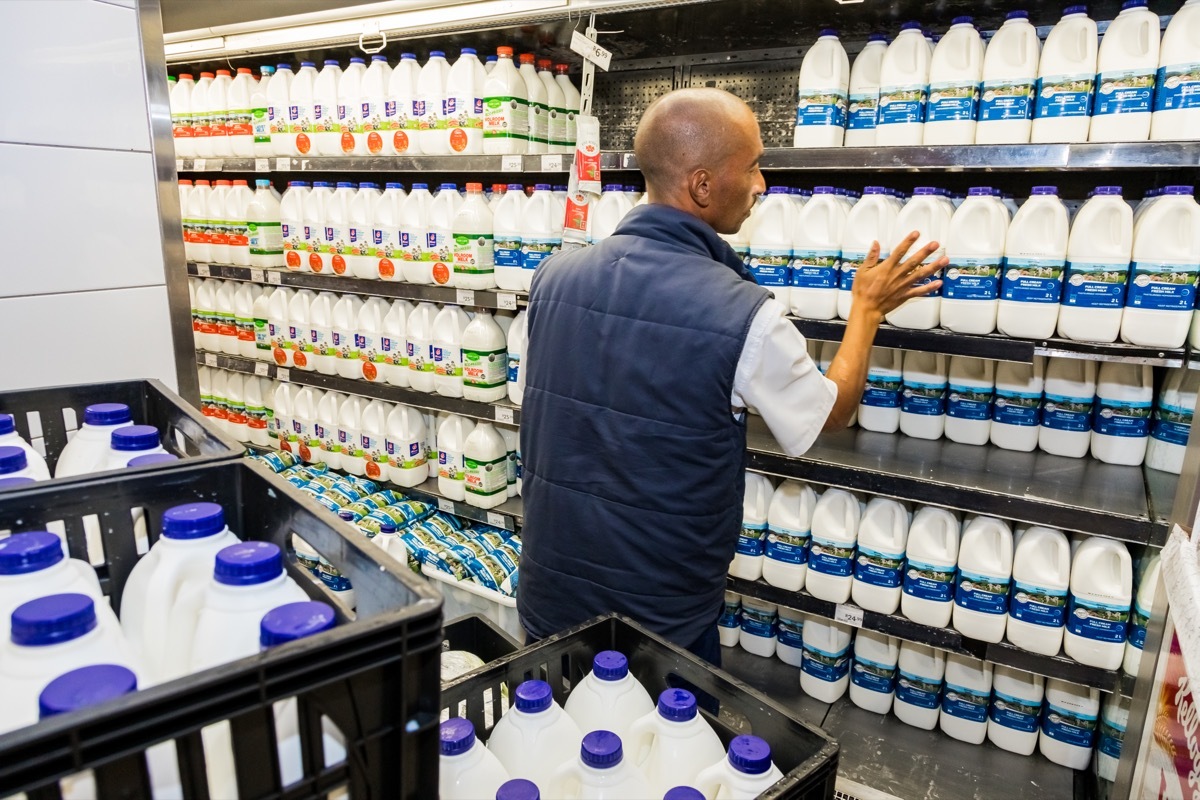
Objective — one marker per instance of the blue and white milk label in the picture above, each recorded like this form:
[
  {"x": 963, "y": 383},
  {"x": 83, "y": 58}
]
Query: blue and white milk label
[
  {"x": 751, "y": 539},
  {"x": 815, "y": 269},
  {"x": 1137, "y": 626},
  {"x": 758, "y": 623},
  {"x": 791, "y": 632},
  {"x": 900, "y": 105},
  {"x": 1171, "y": 424},
  {"x": 963, "y": 703},
  {"x": 972, "y": 278},
  {"x": 864, "y": 111},
  {"x": 1088, "y": 284},
  {"x": 1130, "y": 419},
  {"x": 1069, "y": 727},
  {"x": 879, "y": 569},
  {"x": 872, "y": 676},
  {"x": 1038, "y": 605},
  {"x": 507, "y": 251},
  {"x": 1017, "y": 408},
  {"x": 1129, "y": 91},
  {"x": 965, "y": 402},
  {"x": 882, "y": 390},
  {"x": 929, "y": 582},
  {"x": 1014, "y": 713},
  {"x": 1164, "y": 287},
  {"x": 1112, "y": 738},
  {"x": 1101, "y": 622},
  {"x": 927, "y": 399},
  {"x": 952, "y": 101},
  {"x": 731, "y": 615},
  {"x": 831, "y": 558},
  {"x": 848, "y": 266},
  {"x": 1006, "y": 100},
  {"x": 823, "y": 665},
  {"x": 918, "y": 691},
  {"x": 770, "y": 267},
  {"x": 1062, "y": 413},
  {"x": 787, "y": 546},
  {"x": 1064, "y": 96},
  {"x": 535, "y": 251},
  {"x": 1033, "y": 280},
  {"x": 987, "y": 595},
  {"x": 821, "y": 109},
  {"x": 1177, "y": 87}
]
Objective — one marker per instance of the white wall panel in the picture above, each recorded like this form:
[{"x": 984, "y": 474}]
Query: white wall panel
[
  {"x": 86, "y": 337},
  {"x": 83, "y": 57},
  {"x": 78, "y": 220}
]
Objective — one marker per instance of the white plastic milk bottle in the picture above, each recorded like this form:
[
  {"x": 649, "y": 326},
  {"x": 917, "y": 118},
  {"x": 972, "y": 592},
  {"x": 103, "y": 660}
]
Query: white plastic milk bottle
[
  {"x": 1121, "y": 421},
  {"x": 824, "y": 84},
  {"x": 864, "y": 92},
  {"x": 373, "y": 101},
  {"x": 872, "y": 219},
  {"x": 438, "y": 250},
  {"x": 466, "y": 769},
  {"x": 748, "y": 559},
  {"x": 518, "y": 342},
  {"x": 879, "y": 409},
  {"x": 405, "y": 444},
  {"x": 789, "y": 526},
  {"x": 33, "y": 565},
  {"x": 879, "y": 563},
  {"x": 315, "y": 203},
  {"x": 609, "y": 698},
  {"x": 369, "y": 327},
  {"x": 484, "y": 360},
  {"x": 1037, "y": 610},
  {"x": 485, "y": 463},
  {"x": 541, "y": 232},
  {"x": 1114, "y": 716},
  {"x": 975, "y": 247},
  {"x": 1016, "y": 411},
  {"x": 825, "y": 669},
  {"x": 412, "y": 230},
  {"x": 348, "y": 114},
  {"x": 744, "y": 774},
  {"x": 923, "y": 398},
  {"x": 283, "y": 141},
  {"x": 954, "y": 75},
  {"x": 816, "y": 253},
  {"x": 601, "y": 772},
  {"x": 1069, "y": 723},
  {"x": 473, "y": 242},
  {"x": 373, "y": 438},
  {"x": 1015, "y": 710},
  {"x": 904, "y": 89},
  {"x": 327, "y": 138},
  {"x": 430, "y": 106},
  {"x": 835, "y": 522},
  {"x": 386, "y": 255},
  {"x": 350, "y": 452},
  {"x": 1172, "y": 421},
  {"x": 919, "y": 687},
  {"x": 1165, "y": 271},
  {"x": 535, "y": 736},
  {"x": 1100, "y": 599},
  {"x": 789, "y": 637},
  {"x": 969, "y": 402},
  {"x": 127, "y": 444},
  {"x": 1010, "y": 66},
  {"x": 89, "y": 446},
  {"x": 506, "y": 127},
  {"x": 1143, "y": 604},
  {"x": 1066, "y": 79},
  {"x": 673, "y": 743},
  {"x": 360, "y": 216},
  {"x": 291, "y": 218},
  {"x": 1099, "y": 251},
  {"x": 506, "y": 230},
  {"x": 932, "y": 556},
  {"x": 448, "y": 329},
  {"x": 452, "y": 436},
  {"x": 759, "y": 627},
  {"x": 419, "y": 343},
  {"x": 399, "y": 111},
  {"x": 1126, "y": 67},
  {"x": 556, "y": 102},
  {"x": 1177, "y": 88},
  {"x": 729, "y": 625},
  {"x": 1035, "y": 256},
  {"x": 873, "y": 673},
  {"x": 771, "y": 242},
  {"x": 985, "y": 560},
  {"x": 965, "y": 698},
  {"x": 1070, "y": 392},
  {"x": 929, "y": 214},
  {"x": 345, "y": 323}
]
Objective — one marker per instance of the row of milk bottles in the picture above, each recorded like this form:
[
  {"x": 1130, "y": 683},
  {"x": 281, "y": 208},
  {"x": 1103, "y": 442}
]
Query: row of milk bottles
[
  {"x": 446, "y": 238},
  {"x": 609, "y": 740},
  {"x": 1036, "y": 587},
  {"x": 437, "y": 108},
  {"x": 970, "y": 700},
  {"x": 1113, "y": 271},
  {"x": 1132, "y": 84},
  {"x": 227, "y": 223},
  {"x": 1061, "y": 406}
]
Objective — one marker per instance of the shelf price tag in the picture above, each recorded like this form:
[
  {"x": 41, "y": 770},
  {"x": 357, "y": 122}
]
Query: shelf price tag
[
  {"x": 496, "y": 520},
  {"x": 506, "y": 300},
  {"x": 284, "y": 164},
  {"x": 257, "y": 276},
  {"x": 512, "y": 163},
  {"x": 273, "y": 278},
  {"x": 283, "y": 375},
  {"x": 848, "y": 615},
  {"x": 445, "y": 505},
  {"x": 262, "y": 165},
  {"x": 505, "y": 415},
  {"x": 465, "y": 297},
  {"x": 593, "y": 52},
  {"x": 216, "y": 164},
  {"x": 262, "y": 369},
  {"x": 199, "y": 164},
  {"x": 553, "y": 163},
  {"x": 210, "y": 360},
  {"x": 179, "y": 165},
  {"x": 203, "y": 271}
]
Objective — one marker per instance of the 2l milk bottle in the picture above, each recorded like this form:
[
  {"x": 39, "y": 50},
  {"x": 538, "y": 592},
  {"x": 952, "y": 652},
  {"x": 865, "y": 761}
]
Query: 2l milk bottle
[
  {"x": 473, "y": 242},
  {"x": 412, "y": 231},
  {"x": 1016, "y": 411},
  {"x": 1035, "y": 256},
  {"x": 315, "y": 203},
  {"x": 541, "y": 232},
  {"x": 929, "y": 214},
  {"x": 419, "y": 344},
  {"x": 1099, "y": 251},
  {"x": 871, "y": 220},
  {"x": 984, "y": 573},
  {"x": 864, "y": 92},
  {"x": 326, "y": 135},
  {"x": 965, "y": 697},
  {"x": 771, "y": 242},
  {"x": 446, "y": 350},
  {"x": 932, "y": 556},
  {"x": 1126, "y": 66},
  {"x": 1037, "y": 609},
  {"x": 1066, "y": 80},
  {"x": 904, "y": 88},
  {"x": 466, "y": 769},
  {"x": 609, "y": 698},
  {"x": 361, "y": 213},
  {"x": 539, "y": 112},
  {"x": 873, "y": 673},
  {"x": 1010, "y": 66},
  {"x": 367, "y": 349},
  {"x": 506, "y": 127},
  {"x": 789, "y": 526},
  {"x": 1015, "y": 710},
  {"x": 464, "y": 104},
  {"x": 1148, "y": 580},
  {"x": 1070, "y": 393},
  {"x": 748, "y": 559},
  {"x": 218, "y": 115},
  {"x": 919, "y": 687},
  {"x": 557, "y": 101},
  {"x": 349, "y": 109},
  {"x": 535, "y": 736},
  {"x": 824, "y": 81},
  {"x": 975, "y": 247},
  {"x": 386, "y": 253},
  {"x": 836, "y": 518},
  {"x": 746, "y": 773},
  {"x": 405, "y": 445},
  {"x": 816, "y": 252},
  {"x": 1165, "y": 271},
  {"x": 373, "y": 130},
  {"x": 825, "y": 668},
  {"x": 879, "y": 563},
  {"x": 88, "y": 448},
  {"x": 1100, "y": 599},
  {"x": 283, "y": 141},
  {"x": 263, "y": 226},
  {"x": 1121, "y": 421},
  {"x": 291, "y": 220},
  {"x": 1114, "y": 717},
  {"x": 879, "y": 409},
  {"x": 1172, "y": 422},
  {"x": 437, "y": 253},
  {"x": 972, "y": 388},
  {"x": 673, "y": 743},
  {"x": 954, "y": 75},
  {"x": 518, "y": 343},
  {"x": 759, "y": 627},
  {"x": 484, "y": 360},
  {"x": 789, "y": 636},
  {"x": 601, "y": 771},
  {"x": 32, "y": 565},
  {"x": 182, "y": 130},
  {"x": 1177, "y": 88},
  {"x": 923, "y": 403},
  {"x": 399, "y": 110},
  {"x": 429, "y": 108},
  {"x": 1069, "y": 722},
  {"x": 485, "y": 467}
]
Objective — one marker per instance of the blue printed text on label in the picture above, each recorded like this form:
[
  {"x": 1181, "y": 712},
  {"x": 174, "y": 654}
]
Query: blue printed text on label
[
  {"x": 963, "y": 703},
  {"x": 1062, "y": 413},
  {"x": 1015, "y": 713},
  {"x": 825, "y": 666},
  {"x": 918, "y": 691},
  {"x": 1070, "y": 727},
  {"x": 927, "y": 399},
  {"x": 1177, "y": 87},
  {"x": 1130, "y": 419},
  {"x": 1017, "y": 408},
  {"x": 770, "y": 267},
  {"x": 787, "y": 546},
  {"x": 822, "y": 109},
  {"x": 1064, "y": 96},
  {"x": 1171, "y": 424},
  {"x": 899, "y": 105},
  {"x": 1101, "y": 622},
  {"x": 929, "y": 582},
  {"x": 972, "y": 279},
  {"x": 952, "y": 102},
  {"x": 815, "y": 269},
  {"x": 1038, "y": 605},
  {"x": 872, "y": 676},
  {"x": 830, "y": 558},
  {"x": 1166, "y": 287},
  {"x": 879, "y": 569},
  {"x": 967, "y": 402},
  {"x": 1128, "y": 91},
  {"x": 987, "y": 595},
  {"x": 1032, "y": 280},
  {"x": 1006, "y": 100}
]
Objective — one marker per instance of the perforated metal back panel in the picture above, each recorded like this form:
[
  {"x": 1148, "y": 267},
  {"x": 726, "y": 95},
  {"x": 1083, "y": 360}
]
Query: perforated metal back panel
[
  {"x": 769, "y": 87},
  {"x": 620, "y": 98}
]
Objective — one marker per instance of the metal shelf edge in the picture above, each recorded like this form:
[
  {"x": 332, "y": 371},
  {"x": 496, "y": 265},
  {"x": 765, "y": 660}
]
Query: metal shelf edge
[{"x": 541, "y": 164}]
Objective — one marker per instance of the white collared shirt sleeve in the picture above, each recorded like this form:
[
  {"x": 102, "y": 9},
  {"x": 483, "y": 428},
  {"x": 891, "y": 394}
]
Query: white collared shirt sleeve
[{"x": 777, "y": 378}]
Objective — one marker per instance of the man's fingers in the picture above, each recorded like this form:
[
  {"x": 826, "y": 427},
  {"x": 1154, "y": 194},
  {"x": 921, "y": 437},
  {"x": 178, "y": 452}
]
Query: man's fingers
[
  {"x": 872, "y": 257},
  {"x": 919, "y": 257}
]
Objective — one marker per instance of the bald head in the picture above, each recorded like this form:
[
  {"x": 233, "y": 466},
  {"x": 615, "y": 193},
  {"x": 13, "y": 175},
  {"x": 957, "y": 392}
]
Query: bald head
[{"x": 698, "y": 150}]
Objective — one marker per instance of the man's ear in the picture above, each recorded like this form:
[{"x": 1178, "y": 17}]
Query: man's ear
[{"x": 700, "y": 188}]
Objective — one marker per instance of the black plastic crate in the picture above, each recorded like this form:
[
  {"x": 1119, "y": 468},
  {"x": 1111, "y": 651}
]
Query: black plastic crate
[
  {"x": 376, "y": 677},
  {"x": 45, "y": 418},
  {"x": 806, "y": 755},
  {"x": 479, "y": 635}
]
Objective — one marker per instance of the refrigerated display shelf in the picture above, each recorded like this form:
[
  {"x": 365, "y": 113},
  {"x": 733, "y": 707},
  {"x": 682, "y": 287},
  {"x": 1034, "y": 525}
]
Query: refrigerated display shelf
[
  {"x": 334, "y": 283},
  {"x": 995, "y": 346},
  {"x": 1073, "y": 494},
  {"x": 946, "y": 639},
  {"x": 550, "y": 163}
]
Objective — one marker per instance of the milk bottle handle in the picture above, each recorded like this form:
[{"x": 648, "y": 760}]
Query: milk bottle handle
[
  {"x": 565, "y": 782},
  {"x": 641, "y": 738}
]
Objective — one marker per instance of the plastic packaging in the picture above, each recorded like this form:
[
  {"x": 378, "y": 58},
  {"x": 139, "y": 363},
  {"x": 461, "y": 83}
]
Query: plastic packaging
[{"x": 609, "y": 698}]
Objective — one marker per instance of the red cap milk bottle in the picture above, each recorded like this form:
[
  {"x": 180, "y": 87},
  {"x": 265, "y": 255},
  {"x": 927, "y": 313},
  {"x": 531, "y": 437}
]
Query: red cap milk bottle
[
  {"x": 182, "y": 130},
  {"x": 824, "y": 84},
  {"x": 227, "y": 317},
  {"x": 1066, "y": 79},
  {"x": 218, "y": 114},
  {"x": 904, "y": 88},
  {"x": 202, "y": 117},
  {"x": 237, "y": 206},
  {"x": 556, "y": 102},
  {"x": 571, "y": 100},
  {"x": 399, "y": 111},
  {"x": 955, "y": 71},
  {"x": 1126, "y": 67},
  {"x": 1009, "y": 78},
  {"x": 539, "y": 111},
  {"x": 219, "y": 223},
  {"x": 1176, "y": 91},
  {"x": 484, "y": 360},
  {"x": 257, "y": 419}
]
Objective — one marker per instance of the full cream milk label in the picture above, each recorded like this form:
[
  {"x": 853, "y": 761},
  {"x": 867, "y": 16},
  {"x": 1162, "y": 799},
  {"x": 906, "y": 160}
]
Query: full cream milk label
[
  {"x": 1033, "y": 280},
  {"x": 505, "y": 118},
  {"x": 1129, "y": 419},
  {"x": 952, "y": 101},
  {"x": 787, "y": 546},
  {"x": 1014, "y": 713},
  {"x": 1017, "y": 408},
  {"x": 926, "y": 399},
  {"x": 929, "y": 582},
  {"x": 824, "y": 665},
  {"x": 1089, "y": 284},
  {"x": 1112, "y": 738},
  {"x": 821, "y": 108},
  {"x": 731, "y": 615},
  {"x": 900, "y": 105},
  {"x": 987, "y": 595},
  {"x": 876, "y": 568},
  {"x": 757, "y": 622},
  {"x": 1063, "y": 413},
  {"x": 815, "y": 269},
  {"x": 966, "y": 704},
  {"x": 486, "y": 478},
  {"x": 1101, "y": 622},
  {"x": 1171, "y": 424},
  {"x": 790, "y": 632},
  {"x": 1074, "y": 728},
  {"x": 972, "y": 278},
  {"x": 1064, "y": 96},
  {"x": 484, "y": 369},
  {"x": 917, "y": 690},
  {"x": 770, "y": 266},
  {"x": 864, "y": 110},
  {"x": 882, "y": 390},
  {"x": 1124, "y": 92},
  {"x": 968, "y": 402},
  {"x": 535, "y": 251},
  {"x": 751, "y": 539},
  {"x": 1138, "y": 621},
  {"x": 1177, "y": 87},
  {"x": 831, "y": 558},
  {"x": 1163, "y": 287},
  {"x": 1004, "y": 100},
  {"x": 1038, "y": 605},
  {"x": 474, "y": 254},
  {"x": 873, "y": 676}
]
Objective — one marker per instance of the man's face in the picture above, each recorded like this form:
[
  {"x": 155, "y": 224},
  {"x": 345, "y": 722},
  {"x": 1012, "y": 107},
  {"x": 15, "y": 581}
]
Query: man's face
[{"x": 738, "y": 182}]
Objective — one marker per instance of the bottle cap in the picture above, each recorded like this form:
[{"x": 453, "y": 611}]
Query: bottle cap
[
  {"x": 561, "y": 69},
  {"x": 451, "y": 186},
  {"x": 601, "y": 749},
  {"x": 53, "y": 619},
  {"x": 151, "y": 459},
  {"x": 1017, "y": 15},
  {"x": 468, "y": 51},
  {"x": 368, "y": 185},
  {"x": 386, "y": 528},
  {"x": 475, "y": 187},
  {"x": 824, "y": 190},
  {"x": 979, "y": 191},
  {"x": 417, "y": 186},
  {"x": 303, "y": 184},
  {"x": 613, "y": 187},
  {"x": 498, "y": 187},
  {"x": 223, "y": 183},
  {"x": 828, "y": 32},
  {"x": 557, "y": 188},
  {"x": 31, "y": 551},
  {"x": 516, "y": 187},
  {"x": 330, "y": 62},
  {"x": 504, "y": 52},
  {"x": 534, "y": 696},
  {"x": 321, "y": 184},
  {"x": 877, "y": 37},
  {"x": 346, "y": 515},
  {"x": 193, "y": 521},
  {"x": 243, "y": 70},
  {"x": 541, "y": 187},
  {"x": 185, "y": 76},
  {"x": 357, "y": 60},
  {"x": 288, "y": 67},
  {"x": 609, "y": 665},
  {"x": 1074, "y": 10},
  {"x": 520, "y": 789},
  {"x": 222, "y": 73},
  {"x": 248, "y": 563},
  {"x": 876, "y": 190},
  {"x": 528, "y": 58},
  {"x": 1108, "y": 190},
  {"x": 962, "y": 21},
  {"x": 911, "y": 26},
  {"x": 185, "y": 182},
  {"x": 778, "y": 190},
  {"x": 135, "y": 437},
  {"x": 378, "y": 57},
  {"x": 208, "y": 75},
  {"x": 304, "y": 64},
  {"x": 437, "y": 53},
  {"x": 1044, "y": 190},
  {"x": 1128, "y": 4},
  {"x": 262, "y": 183},
  {"x": 1178, "y": 190},
  {"x": 925, "y": 190},
  {"x": 85, "y": 687},
  {"x": 408, "y": 56},
  {"x": 14, "y": 483},
  {"x": 749, "y": 754},
  {"x": 391, "y": 185},
  {"x": 345, "y": 185},
  {"x": 12, "y": 459},
  {"x": 683, "y": 793},
  {"x": 457, "y": 735},
  {"x": 202, "y": 183},
  {"x": 677, "y": 705},
  {"x": 293, "y": 621}
]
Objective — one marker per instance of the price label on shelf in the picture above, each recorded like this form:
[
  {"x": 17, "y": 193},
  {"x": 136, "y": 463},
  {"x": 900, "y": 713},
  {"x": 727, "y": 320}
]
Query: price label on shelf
[
  {"x": 262, "y": 369},
  {"x": 445, "y": 505},
  {"x": 504, "y": 414},
  {"x": 262, "y": 165},
  {"x": 210, "y": 360},
  {"x": 273, "y": 278},
  {"x": 200, "y": 164},
  {"x": 216, "y": 164},
  {"x": 283, "y": 164},
  {"x": 848, "y": 615},
  {"x": 512, "y": 163},
  {"x": 506, "y": 301},
  {"x": 496, "y": 520},
  {"x": 283, "y": 375},
  {"x": 203, "y": 271},
  {"x": 179, "y": 165},
  {"x": 552, "y": 163},
  {"x": 590, "y": 50},
  {"x": 257, "y": 275},
  {"x": 465, "y": 297}
]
